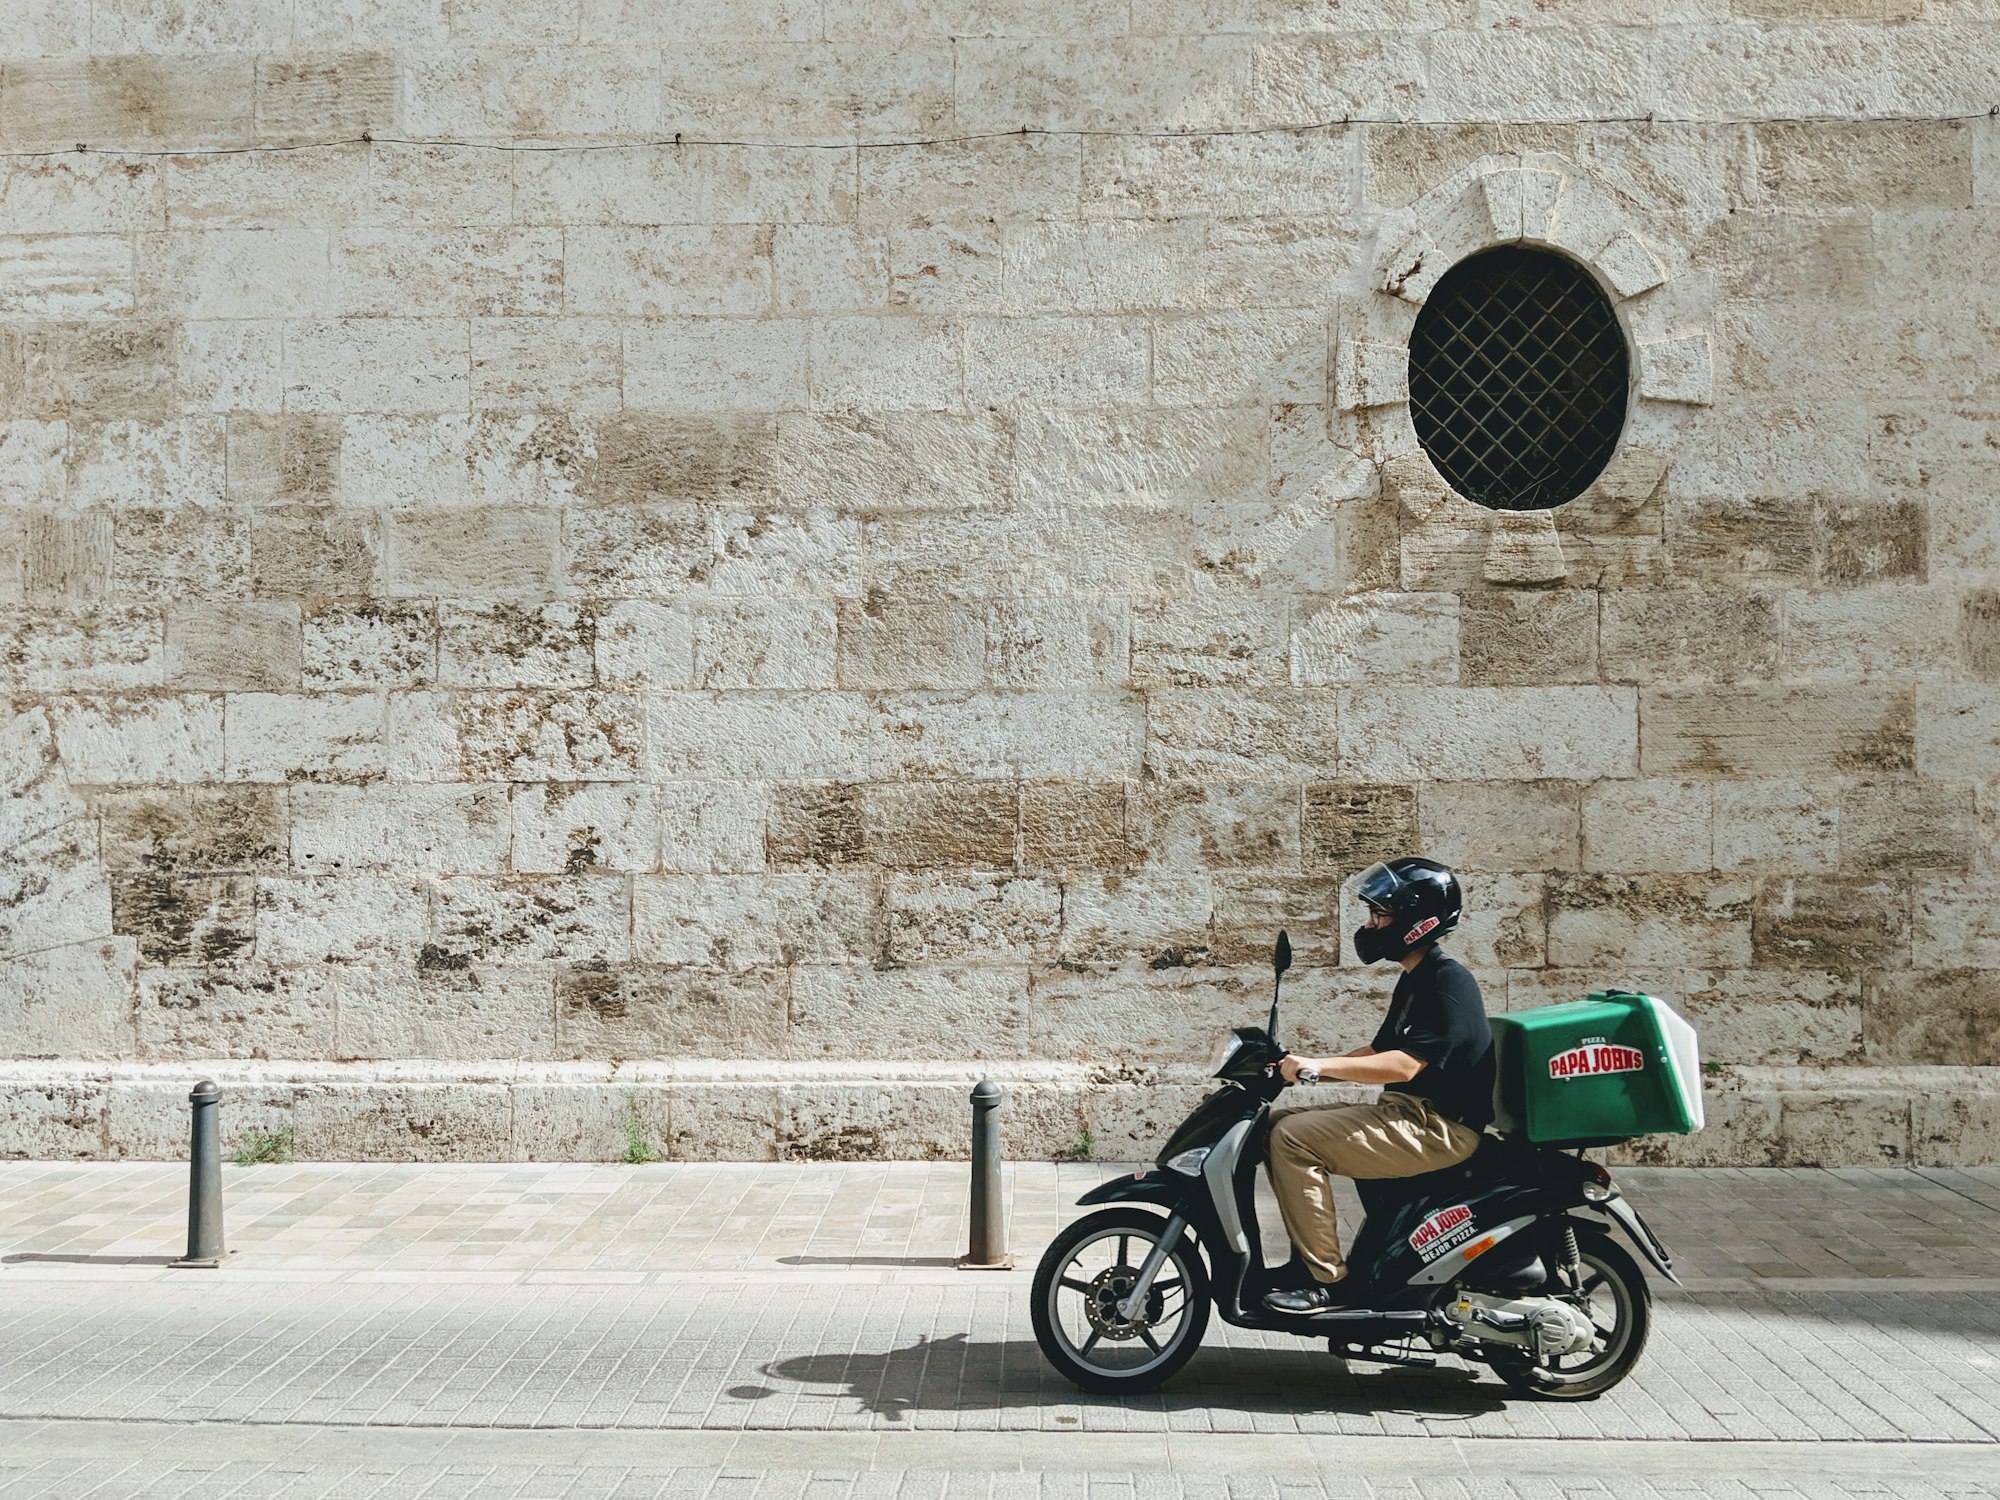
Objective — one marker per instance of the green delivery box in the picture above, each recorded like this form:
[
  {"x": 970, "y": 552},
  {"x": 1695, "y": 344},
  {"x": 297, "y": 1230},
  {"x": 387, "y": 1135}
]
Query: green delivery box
[{"x": 1603, "y": 1069}]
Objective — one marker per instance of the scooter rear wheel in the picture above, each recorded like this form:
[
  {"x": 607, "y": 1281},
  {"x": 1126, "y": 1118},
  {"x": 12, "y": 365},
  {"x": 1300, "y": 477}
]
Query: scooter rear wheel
[
  {"x": 1091, "y": 1266},
  {"x": 1618, "y": 1301}
]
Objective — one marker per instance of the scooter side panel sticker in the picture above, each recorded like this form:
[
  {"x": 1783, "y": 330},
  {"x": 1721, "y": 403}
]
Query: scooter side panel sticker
[
  {"x": 1441, "y": 1231},
  {"x": 1595, "y": 1058}
]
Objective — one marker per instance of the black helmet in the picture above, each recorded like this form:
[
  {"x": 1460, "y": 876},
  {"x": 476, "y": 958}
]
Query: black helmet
[{"x": 1420, "y": 894}]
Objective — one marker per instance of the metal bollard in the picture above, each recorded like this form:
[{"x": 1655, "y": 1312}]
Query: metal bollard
[
  {"x": 204, "y": 1247},
  {"x": 989, "y": 1214}
]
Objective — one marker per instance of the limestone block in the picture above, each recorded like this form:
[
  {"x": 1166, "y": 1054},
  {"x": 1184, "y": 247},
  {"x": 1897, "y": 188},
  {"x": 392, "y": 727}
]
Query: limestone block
[
  {"x": 455, "y": 1121},
  {"x": 316, "y": 98},
  {"x": 478, "y": 271},
  {"x": 877, "y": 462},
  {"x": 530, "y": 920},
  {"x": 1376, "y": 636},
  {"x": 1120, "y": 549},
  {"x": 1751, "y": 731},
  {"x": 71, "y": 1000},
  {"x": 445, "y": 1012},
  {"x": 1939, "y": 454},
  {"x": 1778, "y": 824},
  {"x": 1762, "y": 1016},
  {"x": 1886, "y": 632},
  {"x": 483, "y": 553},
  {"x": 587, "y": 1120},
  {"x": 1370, "y": 374},
  {"x": 886, "y": 643},
  {"x": 764, "y": 643},
  {"x": 711, "y": 826},
  {"x": 1057, "y": 643},
  {"x": 1524, "y": 547},
  {"x": 344, "y": 918},
  {"x": 502, "y": 460},
  {"x": 1598, "y": 920},
  {"x": 652, "y": 459},
  {"x": 54, "y": 1120},
  {"x": 224, "y": 365},
  {"x": 1447, "y": 550},
  {"x": 1125, "y": 1123},
  {"x": 74, "y": 194},
  {"x": 568, "y": 827},
  {"x": 546, "y": 92},
  {"x": 1894, "y": 824},
  {"x": 1741, "y": 1128},
  {"x": 830, "y": 268},
  {"x": 757, "y": 553},
  {"x": 550, "y": 736},
  {"x": 180, "y": 554},
  {"x": 1978, "y": 633},
  {"x": 1034, "y": 734},
  {"x": 1517, "y": 639},
  {"x": 66, "y": 276},
  {"x": 1955, "y": 922},
  {"x": 32, "y": 458},
  {"x": 877, "y": 363},
  {"x": 1954, "y": 1130},
  {"x": 958, "y": 1013},
  {"x": 716, "y": 364},
  {"x": 272, "y": 272},
  {"x": 1306, "y": 78},
  {"x": 827, "y": 89},
  {"x": 644, "y": 1010},
  {"x": 1057, "y": 361},
  {"x": 1637, "y": 826},
  {"x": 941, "y": 825},
  {"x": 1958, "y": 729},
  {"x": 177, "y": 919},
  {"x": 1942, "y": 1015},
  {"x": 1859, "y": 1127},
  {"x": 1161, "y": 916},
  {"x": 446, "y": 828},
  {"x": 302, "y": 737},
  {"x": 222, "y": 645},
  {"x": 716, "y": 185},
  {"x": 239, "y": 1009},
  {"x": 1221, "y": 734},
  {"x": 724, "y": 1121},
  {"x": 315, "y": 553},
  {"x": 744, "y": 921},
  {"x": 1533, "y": 733},
  {"x": 1506, "y": 921},
  {"x": 61, "y": 558},
  {"x": 1100, "y": 83},
  {"x": 53, "y": 890},
  {"x": 644, "y": 645},
  {"x": 757, "y": 736},
  {"x": 1889, "y": 164},
  {"x": 1840, "y": 922},
  {"x": 840, "y": 1122},
  {"x": 129, "y": 101},
  {"x": 377, "y": 364},
  {"x": 1240, "y": 358},
  {"x": 952, "y": 268},
  {"x": 973, "y": 917},
  {"x": 1166, "y": 459},
  {"x": 1773, "y": 452},
  {"x": 1175, "y": 1015},
  {"x": 1251, "y": 909},
  {"x": 105, "y": 741},
  {"x": 1657, "y": 636},
  {"x": 1870, "y": 541},
  {"x": 1244, "y": 825},
  {"x": 1069, "y": 825},
  {"x": 816, "y": 825},
  {"x": 38, "y": 795},
  {"x": 1005, "y": 178},
  {"x": 373, "y": 644},
  {"x": 557, "y": 364},
  {"x": 1348, "y": 826},
  {"x": 511, "y": 645},
  {"x": 123, "y": 370}
]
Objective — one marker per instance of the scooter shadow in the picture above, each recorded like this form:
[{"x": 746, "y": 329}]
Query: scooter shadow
[{"x": 957, "y": 1374}]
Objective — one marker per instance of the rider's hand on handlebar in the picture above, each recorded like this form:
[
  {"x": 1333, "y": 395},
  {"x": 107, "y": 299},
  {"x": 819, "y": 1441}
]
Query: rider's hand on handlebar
[{"x": 1291, "y": 1067}]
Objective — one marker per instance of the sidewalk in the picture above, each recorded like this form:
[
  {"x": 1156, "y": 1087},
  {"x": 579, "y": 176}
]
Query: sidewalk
[{"x": 1841, "y": 1314}]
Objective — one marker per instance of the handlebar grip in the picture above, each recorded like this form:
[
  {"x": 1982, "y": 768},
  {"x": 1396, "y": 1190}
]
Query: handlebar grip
[{"x": 1308, "y": 1075}]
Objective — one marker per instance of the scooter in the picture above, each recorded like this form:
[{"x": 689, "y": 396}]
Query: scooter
[{"x": 1505, "y": 1259}]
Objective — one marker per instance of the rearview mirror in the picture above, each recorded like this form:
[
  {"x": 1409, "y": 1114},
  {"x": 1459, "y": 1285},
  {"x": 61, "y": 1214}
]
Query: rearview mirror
[{"x": 1281, "y": 955}]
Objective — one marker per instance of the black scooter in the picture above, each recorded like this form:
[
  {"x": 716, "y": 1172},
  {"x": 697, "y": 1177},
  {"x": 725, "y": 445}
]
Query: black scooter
[{"x": 1493, "y": 1259}]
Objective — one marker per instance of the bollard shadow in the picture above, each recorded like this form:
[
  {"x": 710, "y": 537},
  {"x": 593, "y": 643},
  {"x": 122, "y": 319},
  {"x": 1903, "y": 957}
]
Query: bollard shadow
[
  {"x": 957, "y": 1374},
  {"x": 867, "y": 1260},
  {"x": 36, "y": 1258}
]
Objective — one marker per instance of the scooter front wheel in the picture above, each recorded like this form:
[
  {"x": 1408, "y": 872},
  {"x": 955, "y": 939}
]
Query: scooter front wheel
[{"x": 1087, "y": 1272}]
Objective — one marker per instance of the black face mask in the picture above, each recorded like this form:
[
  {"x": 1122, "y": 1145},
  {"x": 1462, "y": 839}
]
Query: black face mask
[{"x": 1373, "y": 944}]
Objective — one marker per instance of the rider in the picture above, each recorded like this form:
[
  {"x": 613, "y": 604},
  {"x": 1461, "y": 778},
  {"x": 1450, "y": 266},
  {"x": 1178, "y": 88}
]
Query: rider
[{"x": 1433, "y": 1055}]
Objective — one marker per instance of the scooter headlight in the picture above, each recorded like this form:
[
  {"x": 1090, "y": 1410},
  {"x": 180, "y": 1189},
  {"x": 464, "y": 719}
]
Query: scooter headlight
[
  {"x": 1224, "y": 1050},
  {"x": 1188, "y": 1163}
]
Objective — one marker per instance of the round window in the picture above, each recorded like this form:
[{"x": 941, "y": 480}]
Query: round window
[{"x": 1518, "y": 376}]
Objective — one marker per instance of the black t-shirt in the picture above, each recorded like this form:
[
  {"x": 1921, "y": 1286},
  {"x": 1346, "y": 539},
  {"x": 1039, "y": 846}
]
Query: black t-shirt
[{"x": 1438, "y": 1017}]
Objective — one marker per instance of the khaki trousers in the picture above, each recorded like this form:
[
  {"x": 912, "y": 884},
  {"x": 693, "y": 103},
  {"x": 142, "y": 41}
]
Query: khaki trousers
[{"x": 1399, "y": 1135}]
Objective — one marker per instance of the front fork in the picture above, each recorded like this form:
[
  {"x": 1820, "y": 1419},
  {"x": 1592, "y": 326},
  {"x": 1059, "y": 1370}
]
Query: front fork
[{"x": 1135, "y": 1300}]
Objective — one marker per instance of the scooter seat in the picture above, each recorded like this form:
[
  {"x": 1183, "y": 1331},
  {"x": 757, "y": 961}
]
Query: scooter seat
[{"x": 1382, "y": 1196}]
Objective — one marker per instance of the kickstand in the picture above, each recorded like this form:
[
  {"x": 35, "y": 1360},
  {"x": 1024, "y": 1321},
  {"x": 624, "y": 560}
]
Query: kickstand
[{"x": 1380, "y": 1355}]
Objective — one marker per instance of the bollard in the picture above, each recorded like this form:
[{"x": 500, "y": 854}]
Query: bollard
[
  {"x": 989, "y": 1215},
  {"x": 205, "y": 1179}
]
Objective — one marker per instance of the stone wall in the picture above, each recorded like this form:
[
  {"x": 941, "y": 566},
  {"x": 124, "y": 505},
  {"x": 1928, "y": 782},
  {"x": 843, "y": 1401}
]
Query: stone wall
[{"x": 505, "y": 642}]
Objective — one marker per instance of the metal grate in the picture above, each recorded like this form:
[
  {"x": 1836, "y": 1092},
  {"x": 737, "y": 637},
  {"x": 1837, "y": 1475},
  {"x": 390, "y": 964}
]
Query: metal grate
[{"x": 1518, "y": 374}]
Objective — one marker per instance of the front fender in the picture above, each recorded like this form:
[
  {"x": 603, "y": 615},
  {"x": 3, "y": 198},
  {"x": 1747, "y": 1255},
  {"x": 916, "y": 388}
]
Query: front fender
[{"x": 1154, "y": 1185}]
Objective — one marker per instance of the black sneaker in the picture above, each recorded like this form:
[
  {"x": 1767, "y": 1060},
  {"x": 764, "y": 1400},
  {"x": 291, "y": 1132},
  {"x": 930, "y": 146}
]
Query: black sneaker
[{"x": 1317, "y": 1298}]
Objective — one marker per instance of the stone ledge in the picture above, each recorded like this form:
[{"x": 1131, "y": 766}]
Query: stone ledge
[{"x": 818, "y": 1111}]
